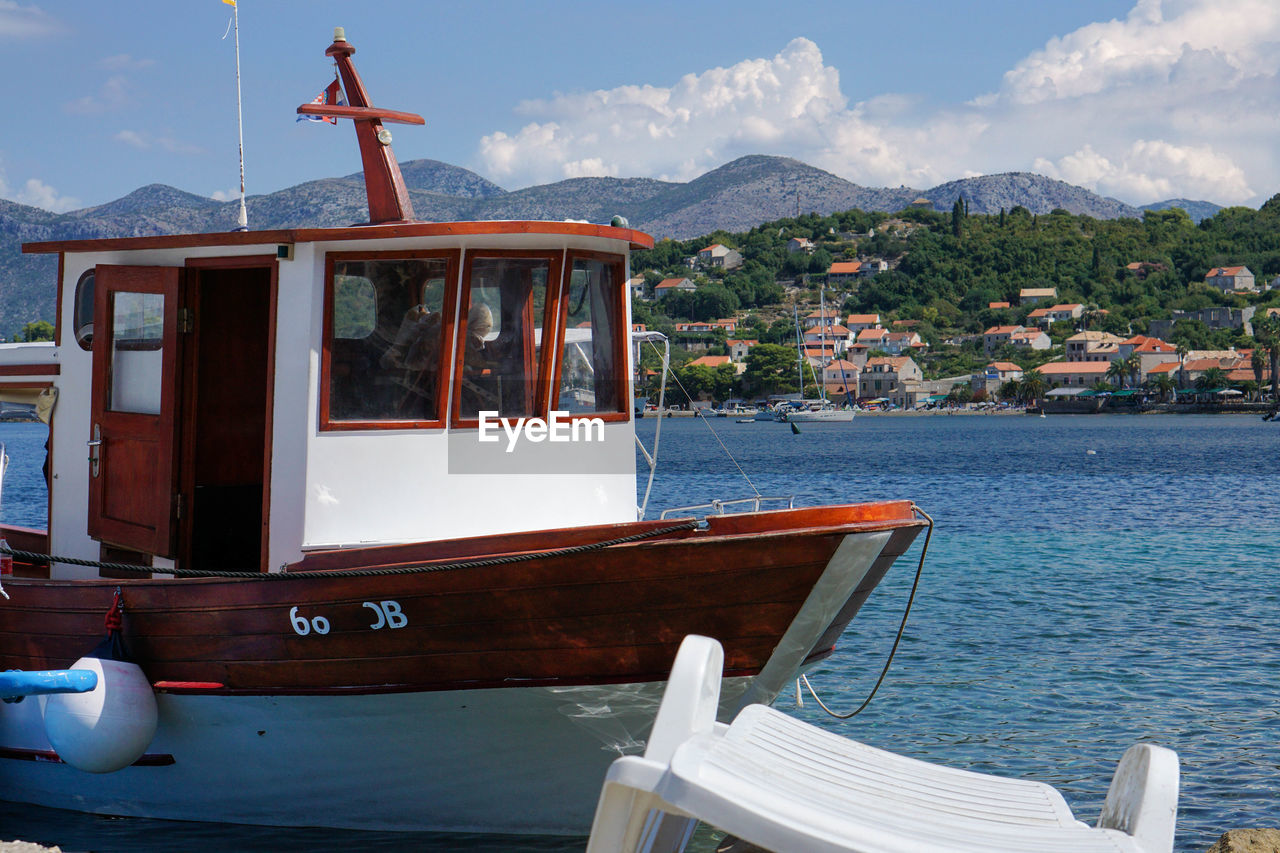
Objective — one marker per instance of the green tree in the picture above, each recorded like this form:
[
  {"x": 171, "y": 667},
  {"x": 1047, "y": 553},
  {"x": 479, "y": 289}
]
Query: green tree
[
  {"x": 1267, "y": 333},
  {"x": 37, "y": 330},
  {"x": 1214, "y": 377},
  {"x": 771, "y": 369},
  {"x": 1163, "y": 383},
  {"x": 1033, "y": 385},
  {"x": 1117, "y": 371}
]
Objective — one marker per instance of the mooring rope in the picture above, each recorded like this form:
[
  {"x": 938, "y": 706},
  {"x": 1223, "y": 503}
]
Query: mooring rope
[
  {"x": 896, "y": 640},
  {"x": 330, "y": 573}
]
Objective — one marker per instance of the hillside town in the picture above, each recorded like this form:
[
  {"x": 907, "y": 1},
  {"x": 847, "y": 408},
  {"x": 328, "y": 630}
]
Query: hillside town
[{"x": 1215, "y": 347}]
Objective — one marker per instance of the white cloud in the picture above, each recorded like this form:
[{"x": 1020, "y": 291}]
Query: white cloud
[
  {"x": 721, "y": 113},
  {"x": 225, "y": 195},
  {"x": 37, "y": 193},
  {"x": 1206, "y": 44},
  {"x": 146, "y": 141},
  {"x": 1179, "y": 98},
  {"x": 125, "y": 62},
  {"x": 111, "y": 96},
  {"x": 1151, "y": 171},
  {"x": 25, "y": 21}
]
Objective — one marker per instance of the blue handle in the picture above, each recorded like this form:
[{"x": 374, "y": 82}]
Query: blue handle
[{"x": 16, "y": 682}]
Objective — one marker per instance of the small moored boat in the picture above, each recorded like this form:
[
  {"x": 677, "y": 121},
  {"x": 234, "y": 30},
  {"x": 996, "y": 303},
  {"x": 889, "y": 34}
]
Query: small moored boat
[{"x": 359, "y": 504}]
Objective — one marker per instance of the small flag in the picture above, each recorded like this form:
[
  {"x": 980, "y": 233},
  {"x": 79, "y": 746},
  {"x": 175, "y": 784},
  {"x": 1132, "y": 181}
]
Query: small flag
[
  {"x": 331, "y": 96},
  {"x": 229, "y": 2}
]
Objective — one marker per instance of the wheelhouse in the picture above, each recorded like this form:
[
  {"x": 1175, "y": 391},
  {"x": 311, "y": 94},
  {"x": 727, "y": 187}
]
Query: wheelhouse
[{"x": 338, "y": 388}]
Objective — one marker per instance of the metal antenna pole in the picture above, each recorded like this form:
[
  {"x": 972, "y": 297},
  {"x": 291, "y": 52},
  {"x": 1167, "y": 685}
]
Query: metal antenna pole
[{"x": 244, "y": 214}]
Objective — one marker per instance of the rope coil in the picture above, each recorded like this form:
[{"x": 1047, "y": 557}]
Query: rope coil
[{"x": 330, "y": 573}]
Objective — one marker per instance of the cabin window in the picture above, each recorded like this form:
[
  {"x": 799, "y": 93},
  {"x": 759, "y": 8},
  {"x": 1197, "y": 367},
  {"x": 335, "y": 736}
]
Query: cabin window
[
  {"x": 505, "y": 308},
  {"x": 137, "y": 357},
  {"x": 83, "y": 316},
  {"x": 591, "y": 364},
  {"x": 388, "y": 330}
]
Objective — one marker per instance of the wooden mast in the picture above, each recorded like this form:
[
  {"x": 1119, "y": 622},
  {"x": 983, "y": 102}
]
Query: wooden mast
[{"x": 384, "y": 185}]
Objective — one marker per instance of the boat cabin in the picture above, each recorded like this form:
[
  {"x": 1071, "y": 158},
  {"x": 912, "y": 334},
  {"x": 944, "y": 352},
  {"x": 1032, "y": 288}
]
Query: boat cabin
[
  {"x": 251, "y": 396},
  {"x": 246, "y": 398}
]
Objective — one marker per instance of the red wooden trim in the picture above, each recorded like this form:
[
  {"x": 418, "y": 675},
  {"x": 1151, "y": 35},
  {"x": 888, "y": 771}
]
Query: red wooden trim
[
  {"x": 637, "y": 239},
  {"x": 4, "y": 383},
  {"x": 151, "y": 759},
  {"x": 29, "y": 369},
  {"x": 622, "y": 339},
  {"x": 269, "y": 424},
  {"x": 451, "y": 257},
  {"x": 384, "y": 185},
  {"x": 809, "y": 517},
  {"x": 888, "y": 513},
  {"x": 555, "y": 269},
  {"x": 363, "y": 113},
  {"x": 232, "y": 262},
  {"x": 168, "y": 282},
  {"x": 57, "y": 306}
]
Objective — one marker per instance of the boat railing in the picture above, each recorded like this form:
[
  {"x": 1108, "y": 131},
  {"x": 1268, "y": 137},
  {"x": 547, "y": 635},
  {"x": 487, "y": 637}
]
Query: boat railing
[{"x": 717, "y": 507}]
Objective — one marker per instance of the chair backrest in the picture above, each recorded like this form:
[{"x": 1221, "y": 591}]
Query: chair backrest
[{"x": 692, "y": 696}]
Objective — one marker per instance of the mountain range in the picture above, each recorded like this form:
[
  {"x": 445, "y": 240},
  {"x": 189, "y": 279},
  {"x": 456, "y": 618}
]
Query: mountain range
[{"x": 735, "y": 197}]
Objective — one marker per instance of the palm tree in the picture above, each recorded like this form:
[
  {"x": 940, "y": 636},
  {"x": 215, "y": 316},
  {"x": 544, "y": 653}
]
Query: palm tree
[
  {"x": 1117, "y": 371},
  {"x": 1214, "y": 377},
  {"x": 1182, "y": 349},
  {"x": 1163, "y": 383},
  {"x": 1267, "y": 333},
  {"x": 1101, "y": 385},
  {"x": 1133, "y": 365},
  {"x": 1249, "y": 388},
  {"x": 1032, "y": 386}
]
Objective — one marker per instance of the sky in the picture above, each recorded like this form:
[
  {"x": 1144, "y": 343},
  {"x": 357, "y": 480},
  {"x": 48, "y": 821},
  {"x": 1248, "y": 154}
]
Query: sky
[{"x": 1141, "y": 100}]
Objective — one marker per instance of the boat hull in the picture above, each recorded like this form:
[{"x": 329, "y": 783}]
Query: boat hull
[
  {"x": 438, "y": 700},
  {"x": 821, "y": 416}
]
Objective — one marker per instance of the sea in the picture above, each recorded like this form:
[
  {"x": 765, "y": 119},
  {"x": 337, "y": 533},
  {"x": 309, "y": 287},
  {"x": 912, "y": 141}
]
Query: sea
[{"x": 1092, "y": 582}]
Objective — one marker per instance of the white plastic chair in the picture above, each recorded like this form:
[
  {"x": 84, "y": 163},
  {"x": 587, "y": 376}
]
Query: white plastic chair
[{"x": 788, "y": 786}]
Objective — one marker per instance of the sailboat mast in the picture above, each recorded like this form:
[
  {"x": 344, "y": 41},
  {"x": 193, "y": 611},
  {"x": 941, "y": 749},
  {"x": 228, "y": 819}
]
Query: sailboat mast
[{"x": 795, "y": 313}]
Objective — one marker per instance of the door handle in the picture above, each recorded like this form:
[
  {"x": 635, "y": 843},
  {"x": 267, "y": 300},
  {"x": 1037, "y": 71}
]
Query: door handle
[{"x": 93, "y": 445}]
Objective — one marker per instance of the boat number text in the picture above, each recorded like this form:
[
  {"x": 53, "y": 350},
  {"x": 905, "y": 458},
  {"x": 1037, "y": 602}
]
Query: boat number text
[{"x": 387, "y": 614}]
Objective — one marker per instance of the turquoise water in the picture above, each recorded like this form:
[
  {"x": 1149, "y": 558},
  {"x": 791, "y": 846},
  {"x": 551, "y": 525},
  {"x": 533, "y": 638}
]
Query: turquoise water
[{"x": 1072, "y": 604}]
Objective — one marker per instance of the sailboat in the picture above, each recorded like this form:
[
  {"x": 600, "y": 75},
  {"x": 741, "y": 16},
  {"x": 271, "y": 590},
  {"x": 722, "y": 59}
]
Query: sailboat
[{"x": 821, "y": 410}]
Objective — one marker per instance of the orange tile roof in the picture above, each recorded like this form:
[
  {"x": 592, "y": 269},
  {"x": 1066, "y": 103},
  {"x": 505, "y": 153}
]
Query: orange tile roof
[
  {"x": 844, "y": 267},
  {"x": 998, "y": 305},
  {"x": 1166, "y": 367},
  {"x": 860, "y": 319},
  {"x": 1217, "y": 271},
  {"x": 1004, "y": 366},
  {"x": 1002, "y": 330},
  {"x": 1039, "y": 312},
  {"x": 711, "y": 360}
]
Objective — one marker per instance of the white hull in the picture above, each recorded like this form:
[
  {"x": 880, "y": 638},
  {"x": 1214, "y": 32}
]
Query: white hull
[
  {"x": 505, "y": 760},
  {"x": 822, "y": 416},
  {"x": 517, "y": 760}
]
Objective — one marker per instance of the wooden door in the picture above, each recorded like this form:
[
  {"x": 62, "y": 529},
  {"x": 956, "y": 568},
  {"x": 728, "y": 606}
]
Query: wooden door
[{"x": 132, "y": 458}]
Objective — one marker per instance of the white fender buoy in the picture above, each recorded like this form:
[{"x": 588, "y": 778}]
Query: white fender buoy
[{"x": 107, "y": 728}]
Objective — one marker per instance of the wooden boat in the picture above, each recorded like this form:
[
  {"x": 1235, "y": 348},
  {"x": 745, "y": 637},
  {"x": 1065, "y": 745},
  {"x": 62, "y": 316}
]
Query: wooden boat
[{"x": 355, "y": 601}]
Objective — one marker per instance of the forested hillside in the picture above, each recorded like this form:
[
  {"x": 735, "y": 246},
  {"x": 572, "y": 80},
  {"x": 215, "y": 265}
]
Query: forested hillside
[{"x": 946, "y": 269}]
